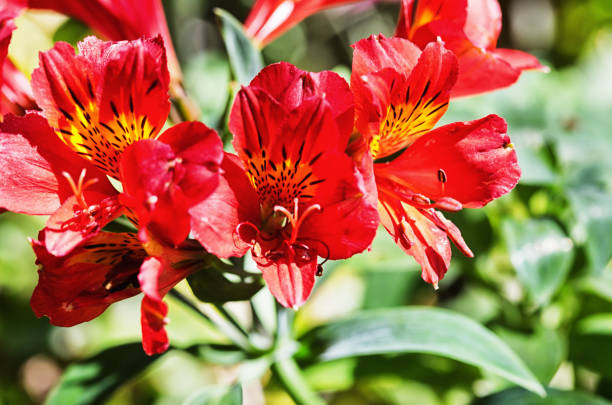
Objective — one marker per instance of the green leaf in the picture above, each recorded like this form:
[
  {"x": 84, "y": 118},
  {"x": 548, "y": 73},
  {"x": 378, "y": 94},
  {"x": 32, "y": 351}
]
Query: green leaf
[
  {"x": 599, "y": 285},
  {"x": 94, "y": 380},
  {"x": 593, "y": 224},
  {"x": 419, "y": 330},
  {"x": 207, "y": 79},
  {"x": 216, "y": 396},
  {"x": 213, "y": 285},
  {"x": 542, "y": 351},
  {"x": 245, "y": 59},
  {"x": 530, "y": 147},
  {"x": 518, "y": 396},
  {"x": 71, "y": 31},
  {"x": 541, "y": 254},
  {"x": 590, "y": 343}
]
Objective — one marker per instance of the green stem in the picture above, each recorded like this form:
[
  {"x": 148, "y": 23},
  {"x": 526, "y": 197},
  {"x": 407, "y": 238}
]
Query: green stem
[
  {"x": 231, "y": 319},
  {"x": 285, "y": 367},
  {"x": 175, "y": 294},
  {"x": 186, "y": 108},
  {"x": 236, "y": 335},
  {"x": 293, "y": 380}
]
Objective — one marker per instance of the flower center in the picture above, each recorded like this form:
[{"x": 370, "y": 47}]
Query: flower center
[
  {"x": 89, "y": 218},
  {"x": 294, "y": 219}
]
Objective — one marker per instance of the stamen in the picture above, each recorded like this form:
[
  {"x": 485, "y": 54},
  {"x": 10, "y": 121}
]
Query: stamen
[
  {"x": 312, "y": 208},
  {"x": 79, "y": 188},
  {"x": 320, "y": 265},
  {"x": 286, "y": 213},
  {"x": 295, "y": 219}
]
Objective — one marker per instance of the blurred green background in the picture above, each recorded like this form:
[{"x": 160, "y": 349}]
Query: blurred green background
[{"x": 541, "y": 278}]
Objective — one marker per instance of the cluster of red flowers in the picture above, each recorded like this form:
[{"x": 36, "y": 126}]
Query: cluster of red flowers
[{"x": 318, "y": 165}]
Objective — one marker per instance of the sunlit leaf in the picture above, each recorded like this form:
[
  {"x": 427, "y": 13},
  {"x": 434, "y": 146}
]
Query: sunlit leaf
[
  {"x": 541, "y": 254},
  {"x": 216, "y": 396},
  {"x": 516, "y": 396},
  {"x": 600, "y": 285},
  {"x": 245, "y": 59},
  {"x": 93, "y": 380},
  {"x": 593, "y": 224},
  {"x": 418, "y": 330}
]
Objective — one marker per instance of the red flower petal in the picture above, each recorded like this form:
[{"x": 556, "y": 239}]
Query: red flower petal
[
  {"x": 85, "y": 97},
  {"x": 258, "y": 121},
  {"x": 80, "y": 286},
  {"x": 117, "y": 20},
  {"x": 7, "y": 26},
  {"x": 269, "y": 19},
  {"x": 16, "y": 93},
  {"x": 347, "y": 221},
  {"x": 471, "y": 162},
  {"x": 289, "y": 277},
  {"x": 214, "y": 220},
  {"x": 201, "y": 152},
  {"x": 279, "y": 147},
  {"x": 453, "y": 12},
  {"x": 483, "y": 23},
  {"x": 32, "y": 161},
  {"x": 417, "y": 236},
  {"x": 480, "y": 70},
  {"x": 396, "y": 108},
  {"x": 290, "y": 86},
  {"x": 520, "y": 60},
  {"x": 153, "y": 309},
  {"x": 470, "y": 29},
  {"x": 72, "y": 223},
  {"x": 163, "y": 180},
  {"x": 378, "y": 52}
]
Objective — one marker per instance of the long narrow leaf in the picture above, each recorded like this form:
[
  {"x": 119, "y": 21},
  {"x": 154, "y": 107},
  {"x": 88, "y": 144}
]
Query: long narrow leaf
[{"x": 419, "y": 330}]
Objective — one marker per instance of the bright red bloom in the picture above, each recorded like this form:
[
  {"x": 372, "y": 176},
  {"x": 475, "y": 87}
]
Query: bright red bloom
[
  {"x": 116, "y": 20},
  {"x": 106, "y": 97},
  {"x": 107, "y": 268},
  {"x": 269, "y": 19},
  {"x": 185, "y": 160},
  {"x": 292, "y": 194},
  {"x": 106, "y": 106},
  {"x": 15, "y": 91},
  {"x": 32, "y": 162},
  {"x": 469, "y": 28},
  {"x": 400, "y": 94}
]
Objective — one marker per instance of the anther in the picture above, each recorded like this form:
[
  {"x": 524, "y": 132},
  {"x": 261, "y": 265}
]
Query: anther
[{"x": 442, "y": 176}]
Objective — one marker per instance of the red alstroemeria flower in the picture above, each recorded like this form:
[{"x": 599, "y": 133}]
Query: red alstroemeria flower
[
  {"x": 269, "y": 19},
  {"x": 115, "y": 94},
  {"x": 106, "y": 106},
  {"x": 116, "y": 20},
  {"x": 15, "y": 91},
  {"x": 292, "y": 194},
  {"x": 400, "y": 94},
  {"x": 469, "y": 28},
  {"x": 107, "y": 268}
]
